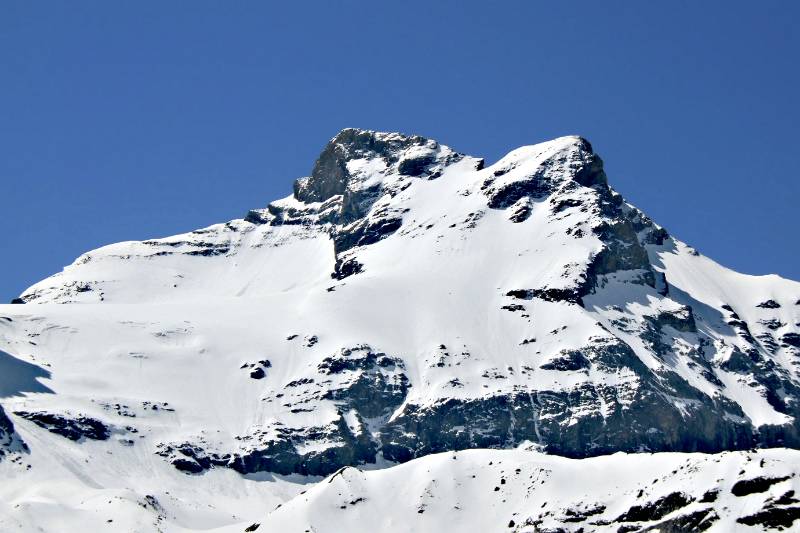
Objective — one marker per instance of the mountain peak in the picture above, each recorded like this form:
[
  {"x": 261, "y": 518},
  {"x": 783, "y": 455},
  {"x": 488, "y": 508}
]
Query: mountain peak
[{"x": 412, "y": 155}]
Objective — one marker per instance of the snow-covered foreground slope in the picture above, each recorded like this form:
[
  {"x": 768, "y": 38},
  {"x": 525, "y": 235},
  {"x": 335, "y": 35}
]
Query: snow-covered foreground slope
[
  {"x": 405, "y": 300},
  {"x": 519, "y": 491}
]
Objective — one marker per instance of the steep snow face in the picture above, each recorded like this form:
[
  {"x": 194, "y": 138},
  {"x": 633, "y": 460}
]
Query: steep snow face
[
  {"x": 525, "y": 492},
  {"x": 405, "y": 300}
]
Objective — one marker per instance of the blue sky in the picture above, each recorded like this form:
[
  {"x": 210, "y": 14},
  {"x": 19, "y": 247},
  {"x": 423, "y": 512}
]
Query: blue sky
[{"x": 132, "y": 120}]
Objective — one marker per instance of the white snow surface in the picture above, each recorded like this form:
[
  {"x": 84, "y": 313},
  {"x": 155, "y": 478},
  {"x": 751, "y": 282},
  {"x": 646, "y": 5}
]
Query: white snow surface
[{"x": 524, "y": 491}]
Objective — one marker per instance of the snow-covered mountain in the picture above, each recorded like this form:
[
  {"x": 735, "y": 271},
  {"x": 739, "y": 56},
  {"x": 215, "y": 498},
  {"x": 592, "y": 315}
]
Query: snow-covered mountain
[
  {"x": 523, "y": 491},
  {"x": 405, "y": 300}
]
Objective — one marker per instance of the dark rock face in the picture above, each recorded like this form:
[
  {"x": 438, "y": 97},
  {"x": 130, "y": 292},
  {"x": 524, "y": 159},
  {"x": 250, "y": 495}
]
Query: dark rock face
[
  {"x": 362, "y": 383},
  {"x": 346, "y": 267},
  {"x": 330, "y": 175},
  {"x": 535, "y": 187},
  {"x": 7, "y": 434},
  {"x": 680, "y": 320},
  {"x": 375, "y": 384},
  {"x": 521, "y": 211},
  {"x": 587, "y": 171},
  {"x": 6, "y": 426},
  {"x": 567, "y": 360},
  {"x": 755, "y": 485},
  {"x": 258, "y": 370},
  {"x": 364, "y": 233},
  {"x": 570, "y": 295},
  {"x": 279, "y": 452},
  {"x": 505, "y": 421},
  {"x": 657, "y": 509},
  {"x": 635, "y": 419},
  {"x": 653, "y": 411},
  {"x": 792, "y": 339},
  {"x": 622, "y": 250},
  {"x": 700, "y": 520},
  {"x": 76, "y": 429},
  {"x": 773, "y": 517}
]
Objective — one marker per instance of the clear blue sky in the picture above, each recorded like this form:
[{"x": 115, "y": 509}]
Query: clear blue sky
[{"x": 131, "y": 120}]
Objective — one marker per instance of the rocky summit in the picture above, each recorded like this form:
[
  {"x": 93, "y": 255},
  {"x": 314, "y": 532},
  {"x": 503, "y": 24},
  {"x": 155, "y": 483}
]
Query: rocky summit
[{"x": 405, "y": 301}]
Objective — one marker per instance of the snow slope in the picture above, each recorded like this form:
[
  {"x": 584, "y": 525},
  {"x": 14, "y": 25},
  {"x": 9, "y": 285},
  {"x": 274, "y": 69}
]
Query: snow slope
[
  {"x": 405, "y": 300},
  {"x": 522, "y": 491}
]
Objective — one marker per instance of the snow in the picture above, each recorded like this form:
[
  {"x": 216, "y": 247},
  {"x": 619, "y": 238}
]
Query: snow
[
  {"x": 485, "y": 490},
  {"x": 159, "y": 322}
]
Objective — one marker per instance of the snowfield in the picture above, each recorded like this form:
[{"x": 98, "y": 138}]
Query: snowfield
[
  {"x": 412, "y": 341},
  {"x": 514, "y": 490}
]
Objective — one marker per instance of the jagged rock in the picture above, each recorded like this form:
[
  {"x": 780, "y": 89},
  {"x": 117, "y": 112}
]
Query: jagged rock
[
  {"x": 700, "y": 520},
  {"x": 643, "y": 421},
  {"x": 681, "y": 320},
  {"x": 570, "y": 295},
  {"x": 413, "y": 155},
  {"x": 364, "y": 233},
  {"x": 82, "y": 427},
  {"x": 280, "y": 454},
  {"x": 657, "y": 509},
  {"x": 375, "y": 382},
  {"x": 792, "y": 339},
  {"x": 772, "y": 517},
  {"x": 755, "y": 485},
  {"x": 567, "y": 360},
  {"x": 345, "y": 268},
  {"x": 582, "y": 166},
  {"x": 9, "y": 440}
]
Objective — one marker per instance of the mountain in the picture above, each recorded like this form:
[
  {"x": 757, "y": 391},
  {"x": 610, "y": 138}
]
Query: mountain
[{"x": 406, "y": 300}]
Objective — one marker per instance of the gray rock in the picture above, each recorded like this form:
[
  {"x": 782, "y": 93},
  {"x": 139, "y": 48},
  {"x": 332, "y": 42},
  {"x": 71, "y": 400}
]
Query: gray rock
[{"x": 73, "y": 428}]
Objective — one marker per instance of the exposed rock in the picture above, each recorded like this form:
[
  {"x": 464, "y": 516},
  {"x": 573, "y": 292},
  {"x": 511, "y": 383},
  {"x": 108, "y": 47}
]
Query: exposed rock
[
  {"x": 567, "y": 360},
  {"x": 9, "y": 439},
  {"x": 584, "y": 167},
  {"x": 279, "y": 451},
  {"x": 700, "y": 520},
  {"x": 755, "y": 485},
  {"x": 375, "y": 384},
  {"x": 657, "y": 509},
  {"x": 258, "y": 370},
  {"x": 345, "y": 268},
  {"x": 681, "y": 320},
  {"x": 521, "y": 210},
  {"x": 364, "y": 233},
  {"x": 78, "y": 428},
  {"x": 792, "y": 339},
  {"x": 413, "y": 155},
  {"x": 772, "y": 517},
  {"x": 570, "y": 295}
]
